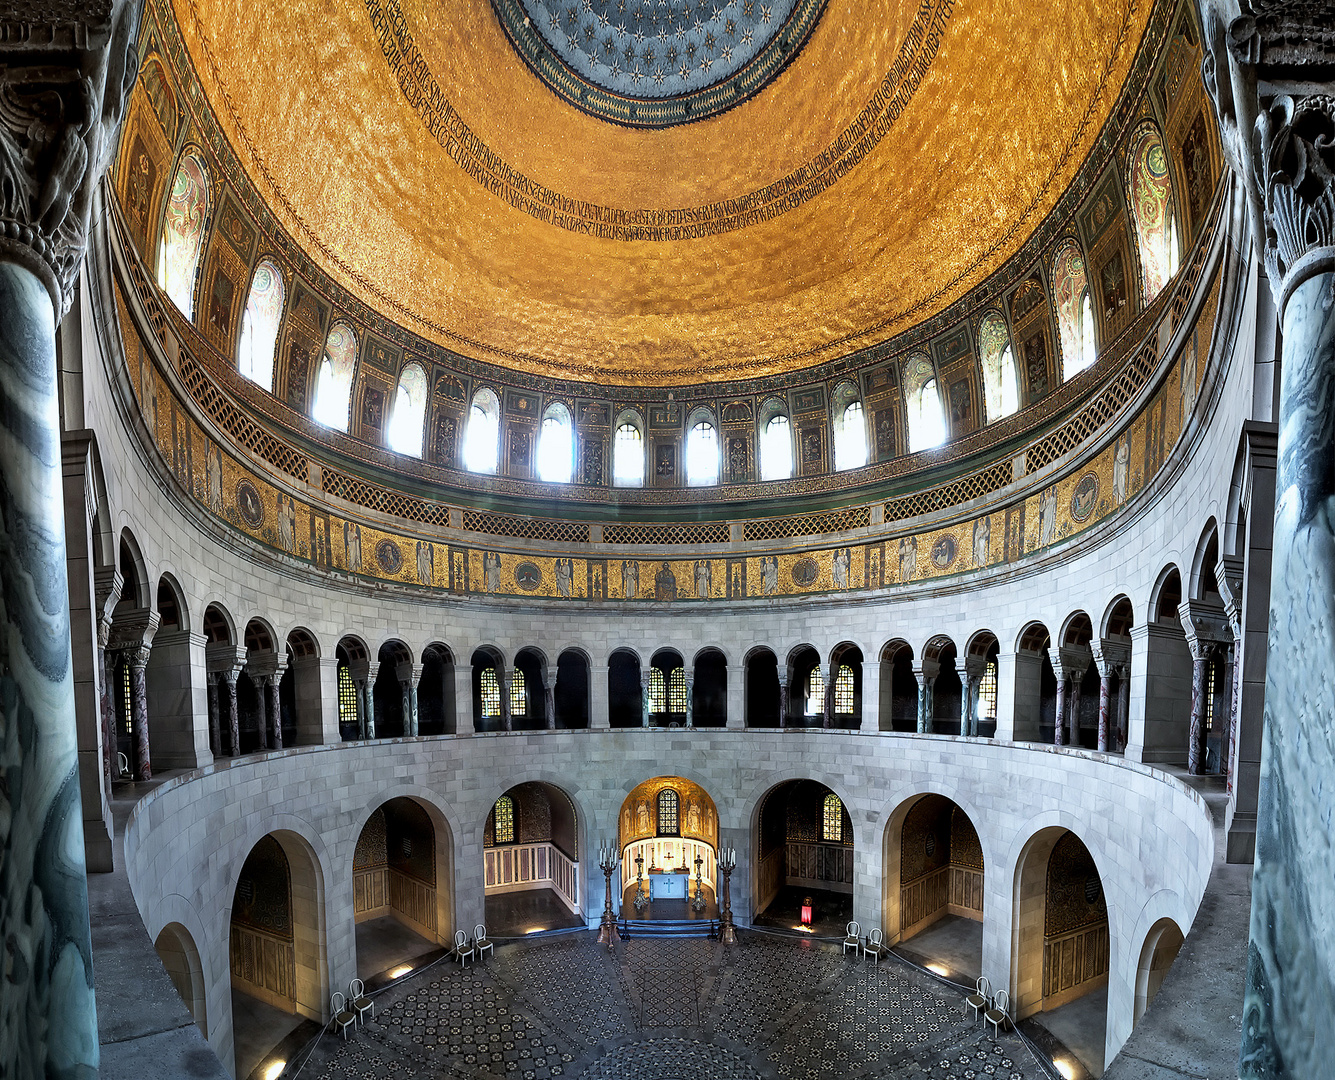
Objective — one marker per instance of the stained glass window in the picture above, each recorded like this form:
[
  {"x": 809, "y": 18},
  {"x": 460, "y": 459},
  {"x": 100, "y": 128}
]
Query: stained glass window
[
  {"x": 922, "y": 402},
  {"x": 987, "y": 693},
  {"x": 816, "y": 692},
  {"x": 259, "y": 325},
  {"x": 776, "y": 449},
  {"x": 347, "y": 696},
  {"x": 628, "y": 456},
  {"x": 702, "y": 454},
  {"x": 677, "y": 690},
  {"x": 518, "y": 694},
  {"x": 1001, "y": 382},
  {"x": 183, "y": 232},
  {"x": 127, "y": 701},
  {"x": 1150, "y": 192},
  {"x": 491, "y": 693},
  {"x": 843, "y": 691},
  {"x": 657, "y": 691},
  {"x": 850, "y": 438},
  {"x": 1070, "y": 290},
  {"x": 482, "y": 437},
  {"x": 333, "y": 384},
  {"x": 504, "y": 833},
  {"x": 832, "y": 826},
  {"x": 668, "y": 820},
  {"x": 404, "y": 432},
  {"x": 556, "y": 446}
]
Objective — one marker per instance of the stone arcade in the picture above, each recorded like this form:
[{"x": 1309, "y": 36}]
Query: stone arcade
[{"x": 655, "y": 464}]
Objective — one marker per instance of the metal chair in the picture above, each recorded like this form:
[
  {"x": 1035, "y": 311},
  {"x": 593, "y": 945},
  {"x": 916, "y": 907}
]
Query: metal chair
[
  {"x": 358, "y": 1001},
  {"x": 853, "y": 938},
  {"x": 981, "y": 998},
  {"x": 875, "y": 947},
  {"x": 999, "y": 1015},
  {"x": 463, "y": 948},
  {"x": 344, "y": 1017},
  {"x": 480, "y": 942}
]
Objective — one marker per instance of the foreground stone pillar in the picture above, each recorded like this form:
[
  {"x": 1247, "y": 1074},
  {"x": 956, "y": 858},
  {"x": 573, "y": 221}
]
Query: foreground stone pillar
[
  {"x": 1270, "y": 69},
  {"x": 67, "y": 73}
]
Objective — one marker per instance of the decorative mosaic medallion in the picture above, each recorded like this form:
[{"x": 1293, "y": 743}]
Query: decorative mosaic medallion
[
  {"x": 527, "y": 576},
  {"x": 1085, "y": 497},
  {"x": 943, "y": 552},
  {"x": 248, "y": 502},
  {"x": 388, "y": 555},
  {"x": 657, "y": 63},
  {"x": 805, "y": 571}
]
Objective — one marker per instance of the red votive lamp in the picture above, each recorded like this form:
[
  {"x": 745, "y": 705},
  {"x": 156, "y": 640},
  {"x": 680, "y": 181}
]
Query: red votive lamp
[{"x": 806, "y": 912}]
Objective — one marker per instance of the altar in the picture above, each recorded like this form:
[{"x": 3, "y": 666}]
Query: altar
[{"x": 668, "y": 885}]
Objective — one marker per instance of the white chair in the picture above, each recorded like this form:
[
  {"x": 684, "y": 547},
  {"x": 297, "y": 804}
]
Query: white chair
[
  {"x": 344, "y": 1017},
  {"x": 463, "y": 948},
  {"x": 875, "y": 947},
  {"x": 358, "y": 1002},
  {"x": 981, "y": 998},
  {"x": 999, "y": 1015},
  {"x": 480, "y": 942},
  {"x": 853, "y": 938}
]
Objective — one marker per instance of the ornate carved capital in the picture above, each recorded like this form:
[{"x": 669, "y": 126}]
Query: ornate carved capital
[
  {"x": 1270, "y": 69},
  {"x": 66, "y": 78}
]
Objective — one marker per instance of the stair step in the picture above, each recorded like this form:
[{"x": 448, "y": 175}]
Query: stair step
[{"x": 632, "y": 928}]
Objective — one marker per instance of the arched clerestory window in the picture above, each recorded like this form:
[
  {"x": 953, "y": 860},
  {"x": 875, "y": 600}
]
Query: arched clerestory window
[
  {"x": 628, "y": 454},
  {"x": 815, "y": 705},
  {"x": 183, "y": 231},
  {"x": 776, "y": 448},
  {"x": 1001, "y": 380},
  {"x": 832, "y": 820},
  {"x": 843, "y": 690},
  {"x": 922, "y": 404},
  {"x": 347, "y": 696},
  {"x": 333, "y": 382},
  {"x": 482, "y": 435},
  {"x": 657, "y": 691},
  {"x": 491, "y": 693},
  {"x": 259, "y": 325},
  {"x": 1150, "y": 193},
  {"x": 518, "y": 693},
  {"x": 503, "y": 831},
  {"x": 556, "y": 446},
  {"x": 677, "y": 690},
  {"x": 407, "y": 421},
  {"x": 702, "y": 456},
  {"x": 669, "y": 813},
  {"x": 850, "y": 428},
  {"x": 1075, "y": 314}
]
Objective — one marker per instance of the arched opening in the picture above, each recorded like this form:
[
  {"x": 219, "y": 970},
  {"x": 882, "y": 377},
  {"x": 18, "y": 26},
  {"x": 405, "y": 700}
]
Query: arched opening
[
  {"x": 1035, "y": 686},
  {"x": 530, "y": 696},
  {"x": 401, "y": 892},
  {"x": 354, "y": 666},
  {"x": 1166, "y": 734},
  {"x": 257, "y": 690},
  {"x": 850, "y": 428},
  {"x": 1075, "y": 317},
  {"x": 482, "y": 433},
  {"x": 843, "y": 687},
  {"x": 406, "y": 428},
  {"x": 776, "y": 442},
  {"x": 259, "y": 325},
  {"x": 996, "y": 357},
  {"x": 1076, "y": 711},
  {"x": 435, "y": 693},
  {"x": 1061, "y": 944},
  {"x": 176, "y": 949},
  {"x": 923, "y": 407},
  {"x": 531, "y": 854},
  {"x": 170, "y": 685},
  {"x": 806, "y": 688},
  {"x": 709, "y": 692},
  {"x": 276, "y": 946},
  {"x": 702, "y": 450},
  {"x": 182, "y": 237},
  {"x": 556, "y": 445},
  {"x": 571, "y": 696},
  {"x": 933, "y": 889},
  {"x": 1114, "y": 663},
  {"x": 220, "y": 661},
  {"x": 1211, "y": 641},
  {"x": 899, "y": 688},
  {"x": 299, "y": 691},
  {"x": 803, "y": 859},
  {"x": 332, "y": 400},
  {"x": 625, "y": 695},
  {"x": 1150, "y": 194},
  {"x": 979, "y": 704},
  {"x": 628, "y": 451},
  {"x": 668, "y": 840},
  {"x": 762, "y": 688},
  {"x": 667, "y": 691},
  {"x": 491, "y": 705},
  {"x": 393, "y": 691},
  {"x": 944, "y": 688},
  {"x": 1162, "y": 944}
]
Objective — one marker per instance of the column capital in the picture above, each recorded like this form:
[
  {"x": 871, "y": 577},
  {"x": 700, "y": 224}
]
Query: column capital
[
  {"x": 266, "y": 665},
  {"x": 107, "y": 586},
  {"x": 1070, "y": 661},
  {"x": 926, "y": 669},
  {"x": 409, "y": 673},
  {"x": 1205, "y": 625},
  {"x": 1262, "y": 67},
  {"x": 132, "y": 631},
  {"x": 68, "y": 72},
  {"x": 1228, "y": 572},
  {"x": 1110, "y": 657},
  {"x": 223, "y": 657}
]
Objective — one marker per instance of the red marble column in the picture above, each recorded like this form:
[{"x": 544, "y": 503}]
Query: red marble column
[
  {"x": 214, "y": 689},
  {"x": 1196, "y": 738},
  {"x": 1059, "y": 714},
  {"x": 143, "y": 766},
  {"x": 110, "y": 766},
  {"x": 1123, "y": 705},
  {"x": 233, "y": 720},
  {"x": 1073, "y": 707},
  {"x": 1105, "y": 680},
  {"x": 271, "y": 688}
]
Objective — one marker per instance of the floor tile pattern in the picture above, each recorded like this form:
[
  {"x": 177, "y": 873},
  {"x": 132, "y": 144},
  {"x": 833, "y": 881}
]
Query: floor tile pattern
[{"x": 769, "y": 1009}]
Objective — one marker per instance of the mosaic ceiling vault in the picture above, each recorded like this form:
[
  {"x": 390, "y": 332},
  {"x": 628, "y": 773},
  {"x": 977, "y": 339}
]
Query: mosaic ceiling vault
[{"x": 901, "y": 156}]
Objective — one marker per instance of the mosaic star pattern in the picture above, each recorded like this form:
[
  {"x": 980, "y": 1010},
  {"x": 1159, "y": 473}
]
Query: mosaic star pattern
[{"x": 769, "y": 1009}]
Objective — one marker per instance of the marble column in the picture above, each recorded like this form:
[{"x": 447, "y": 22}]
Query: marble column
[
  {"x": 1123, "y": 706},
  {"x": 273, "y": 693},
  {"x": 503, "y": 681},
  {"x": 974, "y": 669},
  {"x": 783, "y": 699},
  {"x": 408, "y": 674},
  {"x": 368, "y": 699},
  {"x": 827, "y": 705},
  {"x": 233, "y": 716},
  {"x": 1059, "y": 714},
  {"x": 690, "y": 700},
  {"x": 549, "y": 697},
  {"x": 926, "y": 671},
  {"x": 215, "y": 744},
  {"x": 67, "y": 74},
  {"x": 143, "y": 765},
  {"x": 645, "y": 704},
  {"x": 1077, "y": 676},
  {"x": 1268, "y": 68},
  {"x": 1105, "y": 679},
  {"x": 107, "y": 703}
]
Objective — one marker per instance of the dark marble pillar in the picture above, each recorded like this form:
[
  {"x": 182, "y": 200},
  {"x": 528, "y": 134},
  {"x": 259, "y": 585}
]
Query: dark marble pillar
[
  {"x": 215, "y": 744},
  {"x": 1073, "y": 706},
  {"x": 360, "y": 690},
  {"x": 1105, "y": 678},
  {"x": 275, "y": 711},
  {"x": 549, "y": 697},
  {"x": 1270, "y": 69},
  {"x": 1059, "y": 716},
  {"x": 503, "y": 678},
  {"x": 143, "y": 766},
  {"x": 783, "y": 699},
  {"x": 368, "y": 695},
  {"x": 107, "y": 706},
  {"x": 644, "y": 697},
  {"x": 1196, "y": 733},
  {"x": 233, "y": 717},
  {"x": 1123, "y": 706}
]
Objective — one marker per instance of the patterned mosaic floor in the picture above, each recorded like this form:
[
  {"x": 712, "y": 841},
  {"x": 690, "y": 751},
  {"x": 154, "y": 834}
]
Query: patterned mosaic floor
[{"x": 768, "y": 1009}]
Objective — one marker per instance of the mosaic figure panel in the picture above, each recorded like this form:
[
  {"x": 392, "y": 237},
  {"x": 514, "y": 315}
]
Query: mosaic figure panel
[{"x": 183, "y": 231}]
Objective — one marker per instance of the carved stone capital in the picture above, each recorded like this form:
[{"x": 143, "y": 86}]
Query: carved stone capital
[
  {"x": 1110, "y": 657},
  {"x": 132, "y": 632},
  {"x": 107, "y": 586},
  {"x": 1228, "y": 572},
  {"x": 1206, "y": 627},
  {"x": 64, "y": 85},
  {"x": 1269, "y": 67}
]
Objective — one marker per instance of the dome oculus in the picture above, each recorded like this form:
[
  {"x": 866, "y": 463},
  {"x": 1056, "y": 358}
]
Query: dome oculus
[{"x": 656, "y": 63}]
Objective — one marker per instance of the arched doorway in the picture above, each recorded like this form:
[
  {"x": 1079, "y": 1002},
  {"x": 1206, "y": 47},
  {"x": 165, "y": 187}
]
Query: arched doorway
[
  {"x": 491, "y": 691},
  {"x": 354, "y": 667},
  {"x": 943, "y": 688},
  {"x": 1076, "y": 714},
  {"x": 571, "y": 696},
  {"x": 393, "y": 691},
  {"x": 1162, "y": 944},
  {"x": 625, "y": 695},
  {"x": 981, "y": 670},
  {"x": 276, "y": 946},
  {"x": 531, "y": 706},
  {"x": 1035, "y": 706},
  {"x": 933, "y": 890},
  {"x": 806, "y": 689},
  {"x": 899, "y": 688},
  {"x": 435, "y": 692},
  {"x": 803, "y": 857},
  {"x": 709, "y": 692},
  {"x": 176, "y": 949},
  {"x": 530, "y": 851},
  {"x": 667, "y": 690},
  {"x": 762, "y": 688},
  {"x": 401, "y": 885},
  {"x": 668, "y": 834},
  {"x": 1061, "y": 956}
]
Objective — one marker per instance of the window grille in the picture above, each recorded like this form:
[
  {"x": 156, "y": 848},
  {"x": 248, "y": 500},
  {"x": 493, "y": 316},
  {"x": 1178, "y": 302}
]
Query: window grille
[
  {"x": 668, "y": 822},
  {"x": 1211, "y": 669},
  {"x": 657, "y": 691},
  {"x": 127, "y": 706},
  {"x": 987, "y": 693},
  {"x": 832, "y": 829},
  {"x": 677, "y": 690},
  {"x": 518, "y": 694},
  {"x": 504, "y": 832},
  {"x": 843, "y": 691},
  {"x": 816, "y": 692},
  {"x": 491, "y": 693},
  {"x": 347, "y": 696}
]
